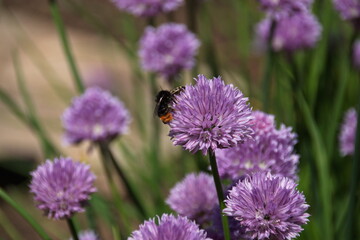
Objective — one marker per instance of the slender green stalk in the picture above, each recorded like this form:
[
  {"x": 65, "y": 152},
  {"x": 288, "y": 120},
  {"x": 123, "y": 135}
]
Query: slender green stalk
[
  {"x": 13, "y": 106},
  {"x": 24, "y": 214},
  {"x": 65, "y": 44},
  {"x": 191, "y": 9},
  {"x": 322, "y": 165},
  {"x": 23, "y": 89},
  {"x": 355, "y": 185},
  {"x": 321, "y": 53},
  {"x": 131, "y": 192},
  {"x": 8, "y": 227},
  {"x": 345, "y": 66},
  {"x": 72, "y": 228},
  {"x": 91, "y": 218},
  {"x": 155, "y": 151},
  {"x": 209, "y": 42},
  {"x": 266, "y": 81},
  {"x": 40, "y": 61},
  {"x": 115, "y": 233},
  {"x": 115, "y": 194},
  {"x": 220, "y": 193},
  {"x": 151, "y": 21},
  {"x": 319, "y": 151},
  {"x": 32, "y": 118}
]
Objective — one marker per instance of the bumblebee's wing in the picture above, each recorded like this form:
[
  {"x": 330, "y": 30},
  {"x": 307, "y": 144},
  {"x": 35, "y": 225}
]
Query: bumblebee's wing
[
  {"x": 156, "y": 109},
  {"x": 158, "y": 100}
]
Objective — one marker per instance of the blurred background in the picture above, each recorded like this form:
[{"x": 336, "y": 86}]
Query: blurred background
[{"x": 104, "y": 42}]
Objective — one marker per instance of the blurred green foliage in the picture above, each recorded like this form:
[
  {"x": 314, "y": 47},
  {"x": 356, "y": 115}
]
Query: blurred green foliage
[{"x": 309, "y": 92}]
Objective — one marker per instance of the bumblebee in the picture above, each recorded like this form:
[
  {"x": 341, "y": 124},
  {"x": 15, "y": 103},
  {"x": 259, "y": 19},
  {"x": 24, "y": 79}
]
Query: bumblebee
[{"x": 164, "y": 99}]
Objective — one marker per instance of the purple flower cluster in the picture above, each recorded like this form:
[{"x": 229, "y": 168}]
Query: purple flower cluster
[
  {"x": 283, "y": 8},
  {"x": 289, "y": 24},
  {"x": 268, "y": 207},
  {"x": 356, "y": 55},
  {"x": 210, "y": 115},
  {"x": 169, "y": 227},
  {"x": 291, "y": 33},
  {"x": 147, "y": 8},
  {"x": 270, "y": 149},
  {"x": 168, "y": 49},
  {"x": 96, "y": 115},
  {"x": 348, "y": 9},
  {"x": 347, "y": 133},
  {"x": 62, "y": 187},
  {"x": 194, "y": 197},
  {"x": 87, "y": 235}
]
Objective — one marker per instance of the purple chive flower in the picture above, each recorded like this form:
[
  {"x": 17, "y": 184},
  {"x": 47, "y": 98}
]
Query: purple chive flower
[
  {"x": 147, "y": 8},
  {"x": 356, "y": 54},
  {"x": 87, "y": 235},
  {"x": 348, "y": 9},
  {"x": 268, "y": 207},
  {"x": 169, "y": 227},
  {"x": 96, "y": 115},
  {"x": 347, "y": 133},
  {"x": 283, "y": 8},
  {"x": 270, "y": 149},
  {"x": 62, "y": 187},
  {"x": 194, "y": 197},
  {"x": 210, "y": 115},
  {"x": 168, "y": 49},
  {"x": 291, "y": 33}
]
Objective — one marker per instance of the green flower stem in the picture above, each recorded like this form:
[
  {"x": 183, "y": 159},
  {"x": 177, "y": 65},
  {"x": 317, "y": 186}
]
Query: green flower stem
[
  {"x": 72, "y": 228},
  {"x": 91, "y": 217},
  {"x": 355, "y": 185},
  {"x": 33, "y": 120},
  {"x": 220, "y": 194},
  {"x": 266, "y": 81},
  {"x": 134, "y": 198},
  {"x": 191, "y": 9},
  {"x": 209, "y": 41},
  {"x": 345, "y": 66},
  {"x": 8, "y": 226},
  {"x": 321, "y": 161},
  {"x": 65, "y": 43},
  {"x": 319, "y": 152},
  {"x": 115, "y": 194},
  {"x": 40, "y": 61},
  {"x": 151, "y": 21},
  {"x": 24, "y": 214},
  {"x": 13, "y": 106},
  {"x": 155, "y": 151}
]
